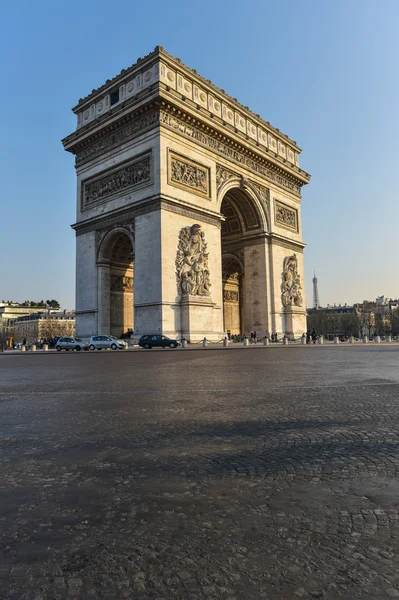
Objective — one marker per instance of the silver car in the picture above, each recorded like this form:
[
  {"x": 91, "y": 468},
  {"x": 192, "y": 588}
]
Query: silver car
[
  {"x": 71, "y": 343},
  {"x": 98, "y": 342}
]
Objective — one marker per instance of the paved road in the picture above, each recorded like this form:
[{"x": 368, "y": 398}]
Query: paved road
[{"x": 253, "y": 474}]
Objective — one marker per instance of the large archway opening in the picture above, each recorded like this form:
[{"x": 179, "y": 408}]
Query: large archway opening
[
  {"x": 117, "y": 296},
  {"x": 241, "y": 227}
]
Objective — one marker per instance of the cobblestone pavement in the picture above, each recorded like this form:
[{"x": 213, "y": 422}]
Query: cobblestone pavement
[{"x": 260, "y": 474}]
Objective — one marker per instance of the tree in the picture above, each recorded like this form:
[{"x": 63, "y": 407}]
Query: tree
[
  {"x": 53, "y": 304},
  {"x": 50, "y": 328}
]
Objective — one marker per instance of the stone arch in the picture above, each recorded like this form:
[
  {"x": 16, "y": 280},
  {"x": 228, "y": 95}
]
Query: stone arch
[
  {"x": 233, "y": 285},
  {"x": 107, "y": 242},
  {"x": 249, "y": 191},
  {"x": 115, "y": 281}
]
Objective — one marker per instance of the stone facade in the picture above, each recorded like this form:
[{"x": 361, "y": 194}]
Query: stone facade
[
  {"x": 191, "y": 179},
  {"x": 40, "y": 326}
]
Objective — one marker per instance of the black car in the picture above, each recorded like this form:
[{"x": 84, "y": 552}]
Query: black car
[{"x": 157, "y": 341}]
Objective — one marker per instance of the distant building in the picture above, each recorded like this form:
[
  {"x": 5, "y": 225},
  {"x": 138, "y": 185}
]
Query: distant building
[
  {"x": 368, "y": 318},
  {"x": 41, "y": 326},
  {"x": 9, "y": 312}
]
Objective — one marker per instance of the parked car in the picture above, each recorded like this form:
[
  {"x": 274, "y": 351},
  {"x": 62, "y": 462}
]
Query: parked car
[
  {"x": 157, "y": 341},
  {"x": 98, "y": 342},
  {"x": 71, "y": 343}
]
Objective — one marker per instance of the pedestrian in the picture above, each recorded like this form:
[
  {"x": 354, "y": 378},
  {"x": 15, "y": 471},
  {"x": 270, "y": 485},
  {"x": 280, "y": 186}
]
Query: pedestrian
[
  {"x": 255, "y": 338},
  {"x": 308, "y": 337},
  {"x": 252, "y": 336},
  {"x": 24, "y": 342},
  {"x": 314, "y": 336}
]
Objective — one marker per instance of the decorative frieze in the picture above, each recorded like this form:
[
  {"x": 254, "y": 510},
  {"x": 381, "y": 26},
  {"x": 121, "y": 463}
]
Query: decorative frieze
[
  {"x": 223, "y": 149},
  {"x": 188, "y": 174},
  {"x": 285, "y": 215},
  {"x": 135, "y": 174},
  {"x": 117, "y": 138}
]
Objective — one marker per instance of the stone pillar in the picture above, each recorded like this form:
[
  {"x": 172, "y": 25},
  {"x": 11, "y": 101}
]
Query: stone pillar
[
  {"x": 204, "y": 342},
  {"x": 86, "y": 284},
  {"x": 389, "y": 339},
  {"x": 336, "y": 340},
  {"x": 45, "y": 347},
  {"x": 23, "y": 348},
  {"x": 285, "y": 341},
  {"x": 148, "y": 275},
  {"x": 104, "y": 298},
  {"x": 320, "y": 340},
  {"x": 225, "y": 342},
  {"x": 365, "y": 339},
  {"x": 265, "y": 341},
  {"x": 184, "y": 343},
  {"x": 245, "y": 342},
  {"x": 303, "y": 341},
  {"x": 256, "y": 290},
  {"x": 33, "y": 348},
  {"x": 377, "y": 339},
  {"x": 351, "y": 339}
]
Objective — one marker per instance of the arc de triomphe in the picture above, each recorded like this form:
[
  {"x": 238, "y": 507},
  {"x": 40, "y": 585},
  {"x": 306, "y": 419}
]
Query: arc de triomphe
[{"x": 188, "y": 210}]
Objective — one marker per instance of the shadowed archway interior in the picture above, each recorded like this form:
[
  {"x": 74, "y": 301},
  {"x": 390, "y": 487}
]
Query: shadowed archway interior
[
  {"x": 121, "y": 285},
  {"x": 241, "y": 221}
]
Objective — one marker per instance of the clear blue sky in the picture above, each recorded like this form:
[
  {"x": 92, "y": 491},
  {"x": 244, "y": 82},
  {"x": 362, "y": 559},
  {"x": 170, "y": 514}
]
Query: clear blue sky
[{"x": 323, "y": 71}]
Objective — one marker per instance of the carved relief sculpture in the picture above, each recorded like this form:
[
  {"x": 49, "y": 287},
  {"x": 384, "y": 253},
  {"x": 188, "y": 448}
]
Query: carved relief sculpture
[
  {"x": 192, "y": 271},
  {"x": 230, "y": 295},
  {"x": 286, "y": 216},
  {"x": 188, "y": 174},
  {"x": 120, "y": 180},
  {"x": 291, "y": 294},
  {"x": 121, "y": 283}
]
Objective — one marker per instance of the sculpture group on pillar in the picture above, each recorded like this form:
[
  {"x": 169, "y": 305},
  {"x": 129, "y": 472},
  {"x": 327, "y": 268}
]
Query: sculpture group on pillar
[
  {"x": 291, "y": 294},
  {"x": 192, "y": 271}
]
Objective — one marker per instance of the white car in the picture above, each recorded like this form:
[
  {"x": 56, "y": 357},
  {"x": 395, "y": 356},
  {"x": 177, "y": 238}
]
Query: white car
[
  {"x": 71, "y": 343},
  {"x": 98, "y": 342}
]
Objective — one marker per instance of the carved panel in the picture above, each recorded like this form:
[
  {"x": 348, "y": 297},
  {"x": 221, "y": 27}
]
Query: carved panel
[
  {"x": 223, "y": 149},
  {"x": 230, "y": 295},
  {"x": 285, "y": 215},
  {"x": 135, "y": 174},
  {"x": 188, "y": 174}
]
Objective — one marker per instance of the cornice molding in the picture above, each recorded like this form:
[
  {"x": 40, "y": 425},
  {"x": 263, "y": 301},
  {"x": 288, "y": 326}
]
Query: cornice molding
[{"x": 127, "y": 214}]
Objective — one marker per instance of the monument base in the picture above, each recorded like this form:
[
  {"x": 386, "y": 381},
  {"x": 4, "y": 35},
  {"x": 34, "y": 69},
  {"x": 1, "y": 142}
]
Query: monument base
[
  {"x": 198, "y": 318},
  {"x": 294, "y": 321}
]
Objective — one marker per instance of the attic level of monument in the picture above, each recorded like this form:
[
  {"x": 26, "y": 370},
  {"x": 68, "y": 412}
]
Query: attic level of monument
[
  {"x": 161, "y": 82},
  {"x": 142, "y": 67},
  {"x": 188, "y": 211}
]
